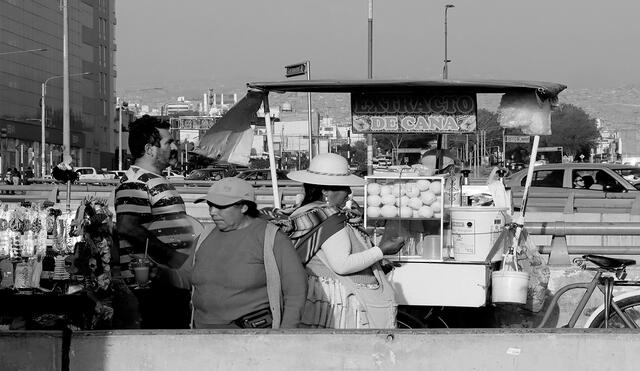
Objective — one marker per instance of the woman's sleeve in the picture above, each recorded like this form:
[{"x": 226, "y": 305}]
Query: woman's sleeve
[
  {"x": 337, "y": 249},
  {"x": 293, "y": 279}
]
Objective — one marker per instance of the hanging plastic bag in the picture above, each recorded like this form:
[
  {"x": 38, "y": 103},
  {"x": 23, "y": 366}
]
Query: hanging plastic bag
[
  {"x": 497, "y": 190},
  {"x": 530, "y": 260},
  {"x": 525, "y": 111}
]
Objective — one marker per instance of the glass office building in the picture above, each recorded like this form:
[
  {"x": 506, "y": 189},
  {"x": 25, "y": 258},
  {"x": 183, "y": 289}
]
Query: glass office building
[{"x": 26, "y": 25}]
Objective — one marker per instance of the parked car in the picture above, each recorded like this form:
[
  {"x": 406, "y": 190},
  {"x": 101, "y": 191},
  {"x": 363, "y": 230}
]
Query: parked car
[
  {"x": 86, "y": 173},
  {"x": 210, "y": 173},
  {"x": 261, "y": 174},
  {"x": 589, "y": 180},
  {"x": 117, "y": 173},
  {"x": 172, "y": 175}
]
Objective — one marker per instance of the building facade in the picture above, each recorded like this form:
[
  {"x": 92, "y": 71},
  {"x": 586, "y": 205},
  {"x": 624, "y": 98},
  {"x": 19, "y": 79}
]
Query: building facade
[{"x": 36, "y": 24}]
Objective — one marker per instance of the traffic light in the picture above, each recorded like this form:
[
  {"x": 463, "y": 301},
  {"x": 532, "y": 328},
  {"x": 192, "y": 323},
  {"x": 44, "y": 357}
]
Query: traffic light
[{"x": 3, "y": 133}]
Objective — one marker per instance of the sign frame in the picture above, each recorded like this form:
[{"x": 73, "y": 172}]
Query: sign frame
[
  {"x": 296, "y": 69},
  {"x": 517, "y": 139}
]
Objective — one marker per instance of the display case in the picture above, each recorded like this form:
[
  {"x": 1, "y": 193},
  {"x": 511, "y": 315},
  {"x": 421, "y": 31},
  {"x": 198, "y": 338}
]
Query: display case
[
  {"x": 410, "y": 206},
  {"x": 424, "y": 272}
]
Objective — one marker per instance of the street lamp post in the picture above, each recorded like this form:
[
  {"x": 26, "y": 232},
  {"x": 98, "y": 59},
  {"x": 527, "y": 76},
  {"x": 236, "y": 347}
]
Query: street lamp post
[
  {"x": 445, "y": 70},
  {"x": 43, "y": 114}
]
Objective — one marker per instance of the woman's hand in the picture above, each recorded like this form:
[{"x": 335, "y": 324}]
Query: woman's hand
[{"x": 392, "y": 245}]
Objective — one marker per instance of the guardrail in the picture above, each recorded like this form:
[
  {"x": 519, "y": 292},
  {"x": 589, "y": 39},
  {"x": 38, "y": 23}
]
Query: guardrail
[{"x": 590, "y": 237}]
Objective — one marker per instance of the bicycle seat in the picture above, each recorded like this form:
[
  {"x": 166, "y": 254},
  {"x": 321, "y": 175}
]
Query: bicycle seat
[{"x": 607, "y": 262}]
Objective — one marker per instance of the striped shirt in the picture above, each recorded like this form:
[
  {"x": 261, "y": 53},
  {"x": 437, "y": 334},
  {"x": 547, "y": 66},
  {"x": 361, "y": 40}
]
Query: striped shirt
[{"x": 153, "y": 199}]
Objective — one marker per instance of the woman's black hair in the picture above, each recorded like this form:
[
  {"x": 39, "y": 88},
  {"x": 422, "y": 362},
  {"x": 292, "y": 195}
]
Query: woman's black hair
[
  {"x": 312, "y": 193},
  {"x": 252, "y": 208},
  {"x": 144, "y": 131}
]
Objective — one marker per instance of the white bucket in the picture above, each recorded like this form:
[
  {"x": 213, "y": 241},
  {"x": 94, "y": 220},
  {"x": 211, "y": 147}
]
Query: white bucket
[
  {"x": 509, "y": 287},
  {"x": 474, "y": 231}
]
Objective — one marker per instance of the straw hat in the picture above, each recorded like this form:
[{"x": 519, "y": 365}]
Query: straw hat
[{"x": 327, "y": 169}]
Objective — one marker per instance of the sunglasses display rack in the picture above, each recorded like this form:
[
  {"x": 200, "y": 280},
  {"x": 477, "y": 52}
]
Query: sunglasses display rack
[{"x": 29, "y": 233}]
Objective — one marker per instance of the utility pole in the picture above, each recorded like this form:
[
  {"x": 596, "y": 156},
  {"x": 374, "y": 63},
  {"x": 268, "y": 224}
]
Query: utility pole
[
  {"x": 370, "y": 76},
  {"x": 66, "y": 125}
]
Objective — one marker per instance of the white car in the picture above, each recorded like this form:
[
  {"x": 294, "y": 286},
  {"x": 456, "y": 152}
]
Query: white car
[{"x": 172, "y": 175}]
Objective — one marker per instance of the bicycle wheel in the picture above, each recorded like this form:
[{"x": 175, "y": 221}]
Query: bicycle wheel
[
  {"x": 630, "y": 307},
  {"x": 423, "y": 317},
  {"x": 406, "y": 320}
]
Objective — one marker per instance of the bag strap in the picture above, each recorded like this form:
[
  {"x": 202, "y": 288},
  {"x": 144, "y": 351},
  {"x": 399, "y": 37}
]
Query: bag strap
[
  {"x": 203, "y": 236},
  {"x": 274, "y": 286}
]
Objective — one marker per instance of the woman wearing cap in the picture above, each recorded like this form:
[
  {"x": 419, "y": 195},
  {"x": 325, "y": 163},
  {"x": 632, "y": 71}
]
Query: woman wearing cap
[
  {"x": 347, "y": 288},
  {"x": 230, "y": 272}
]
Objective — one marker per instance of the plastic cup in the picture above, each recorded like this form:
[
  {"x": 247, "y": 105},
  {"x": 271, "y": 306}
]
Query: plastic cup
[
  {"x": 431, "y": 247},
  {"x": 141, "y": 272}
]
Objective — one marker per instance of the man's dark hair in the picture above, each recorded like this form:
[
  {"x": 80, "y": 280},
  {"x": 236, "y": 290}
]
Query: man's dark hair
[{"x": 144, "y": 131}]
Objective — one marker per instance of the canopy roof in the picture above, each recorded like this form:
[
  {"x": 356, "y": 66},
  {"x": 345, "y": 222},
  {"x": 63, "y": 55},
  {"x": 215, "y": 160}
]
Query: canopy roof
[{"x": 545, "y": 90}]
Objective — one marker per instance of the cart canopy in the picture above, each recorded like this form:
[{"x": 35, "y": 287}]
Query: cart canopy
[{"x": 544, "y": 90}]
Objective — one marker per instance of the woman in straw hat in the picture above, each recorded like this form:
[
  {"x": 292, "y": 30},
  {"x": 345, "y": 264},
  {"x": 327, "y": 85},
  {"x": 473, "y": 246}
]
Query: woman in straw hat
[{"x": 347, "y": 288}]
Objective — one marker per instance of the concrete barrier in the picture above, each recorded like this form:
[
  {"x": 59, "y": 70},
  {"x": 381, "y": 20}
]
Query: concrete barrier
[
  {"x": 30, "y": 350},
  {"x": 499, "y": 349}
]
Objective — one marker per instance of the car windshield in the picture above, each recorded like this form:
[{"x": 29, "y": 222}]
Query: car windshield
[{"x": 631, "y": 174}]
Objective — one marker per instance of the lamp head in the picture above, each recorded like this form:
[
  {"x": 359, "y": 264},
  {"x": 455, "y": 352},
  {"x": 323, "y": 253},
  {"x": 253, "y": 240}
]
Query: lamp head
[{"x": 449, "y": 6}]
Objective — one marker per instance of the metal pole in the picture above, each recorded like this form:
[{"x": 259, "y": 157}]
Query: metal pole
[
  {"x": 504, "y": 148},
  {"x": 120, "y": 137},
  {"x": 370, "y": 76},
  {"x": 309, "y": 114},
  {"x": 43, "y": 123},
  {"x": 66, "y": 125},
  {"x": 272, "y": 157},
  {"x": 445, "y": 69},
  {"x": 21, "y": 164},
  {"x": 370, "y": 41}
]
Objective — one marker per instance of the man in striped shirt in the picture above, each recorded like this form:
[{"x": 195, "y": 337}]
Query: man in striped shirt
[{"x": 150, "y": 213}]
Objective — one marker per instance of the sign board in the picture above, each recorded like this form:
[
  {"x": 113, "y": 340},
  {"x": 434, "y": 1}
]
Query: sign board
[
  {"x": 413, "y": 113},
  {"x": 517, "y": 138},
  {"x": 295, "y": 69},
  {"x": 192, "y": 123},
  {"x": 549, "y": 149}
]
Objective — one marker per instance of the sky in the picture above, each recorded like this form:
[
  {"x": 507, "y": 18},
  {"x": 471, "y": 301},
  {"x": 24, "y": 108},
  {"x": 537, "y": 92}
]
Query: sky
[{"x": 224, "y": 44}]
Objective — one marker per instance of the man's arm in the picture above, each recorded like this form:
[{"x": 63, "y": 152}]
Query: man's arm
[{"x": 130, "y": 228}]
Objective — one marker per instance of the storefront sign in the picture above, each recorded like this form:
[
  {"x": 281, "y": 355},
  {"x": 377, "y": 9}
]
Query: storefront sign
[
  {"x": 295, "y": 69},
  {"x": 516, "y": 138},
  {"x": 192, "y": 123},
  {"x": 409, "y": 113}
]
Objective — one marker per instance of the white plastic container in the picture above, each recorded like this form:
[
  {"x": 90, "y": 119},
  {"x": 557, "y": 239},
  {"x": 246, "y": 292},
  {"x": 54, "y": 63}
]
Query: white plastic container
[
  {"x": 509, "y": 287},
  {"x": 474, "y": 230}
]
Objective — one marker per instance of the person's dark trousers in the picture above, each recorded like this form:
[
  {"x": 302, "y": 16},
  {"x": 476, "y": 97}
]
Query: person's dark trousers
[{"x": 164, "y": 307}]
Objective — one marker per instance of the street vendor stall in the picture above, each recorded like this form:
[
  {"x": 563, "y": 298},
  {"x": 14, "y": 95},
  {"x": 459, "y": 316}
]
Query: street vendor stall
[{"x": 449, "y": 258}]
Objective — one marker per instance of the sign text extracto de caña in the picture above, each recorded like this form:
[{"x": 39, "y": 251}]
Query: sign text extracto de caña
[{"x": 377, "y": 113}]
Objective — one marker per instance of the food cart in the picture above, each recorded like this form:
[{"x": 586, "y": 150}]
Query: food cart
[{"x": 425, "y": 274}]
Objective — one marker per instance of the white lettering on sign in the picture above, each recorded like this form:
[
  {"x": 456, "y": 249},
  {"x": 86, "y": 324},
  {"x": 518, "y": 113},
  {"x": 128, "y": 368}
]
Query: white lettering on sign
[
  {"x": 375, "y": 113},
  {"x": 516, "y": 138}
]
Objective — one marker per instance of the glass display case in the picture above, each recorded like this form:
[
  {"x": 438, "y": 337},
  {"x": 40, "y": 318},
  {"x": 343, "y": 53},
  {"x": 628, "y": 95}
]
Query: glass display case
[{"x": 410, "y": 206}]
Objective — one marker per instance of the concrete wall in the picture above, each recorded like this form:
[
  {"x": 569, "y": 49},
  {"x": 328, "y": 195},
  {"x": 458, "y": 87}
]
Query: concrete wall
[
  {"x": 325, "y": 350},
  {"x": 30, "y": 351}
]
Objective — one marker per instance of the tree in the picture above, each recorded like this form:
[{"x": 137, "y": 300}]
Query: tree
[{"x": 573, "y": 130}]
